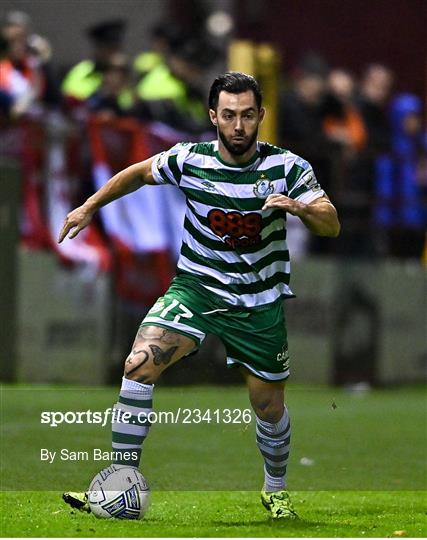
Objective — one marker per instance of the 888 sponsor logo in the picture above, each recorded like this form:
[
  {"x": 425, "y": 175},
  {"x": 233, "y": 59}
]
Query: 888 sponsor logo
[{"x": 235, "y": 228}]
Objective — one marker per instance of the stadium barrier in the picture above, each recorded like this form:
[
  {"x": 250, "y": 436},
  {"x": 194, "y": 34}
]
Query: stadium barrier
[
  {"x": 64, "y": 322},
  {"x": 358, "y": 321}
]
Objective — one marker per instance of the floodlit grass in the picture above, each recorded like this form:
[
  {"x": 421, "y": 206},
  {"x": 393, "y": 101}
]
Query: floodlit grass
[{"x": 190, "y": 514}]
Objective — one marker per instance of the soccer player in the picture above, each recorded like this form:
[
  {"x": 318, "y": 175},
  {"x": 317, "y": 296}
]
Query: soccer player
[{"x": 232, "y": 274}]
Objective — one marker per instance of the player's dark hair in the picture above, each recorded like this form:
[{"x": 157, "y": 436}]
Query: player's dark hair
[{"x": 235, "y": 83}]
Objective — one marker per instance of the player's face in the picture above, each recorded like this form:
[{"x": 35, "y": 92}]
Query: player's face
[{"x": 237, "y": 118}]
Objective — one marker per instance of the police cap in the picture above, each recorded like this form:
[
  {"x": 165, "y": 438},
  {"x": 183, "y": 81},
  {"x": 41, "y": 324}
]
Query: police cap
[{"x": 107, "y": 32}]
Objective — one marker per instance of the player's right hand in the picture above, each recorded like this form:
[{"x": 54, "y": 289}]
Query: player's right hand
[{"x": 76, "y": 220}]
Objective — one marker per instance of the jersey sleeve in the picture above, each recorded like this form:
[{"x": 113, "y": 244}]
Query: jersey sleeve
[
  {"x": 302, "y": 183},
  {"x": 167, "y": 166}
]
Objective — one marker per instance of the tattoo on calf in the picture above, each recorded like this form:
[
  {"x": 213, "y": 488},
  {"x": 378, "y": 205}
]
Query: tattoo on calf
[{"x": 160, "y": 356}]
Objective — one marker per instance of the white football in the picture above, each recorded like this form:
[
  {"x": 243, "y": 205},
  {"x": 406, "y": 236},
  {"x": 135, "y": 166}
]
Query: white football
[{"x": 119, "y": 492}]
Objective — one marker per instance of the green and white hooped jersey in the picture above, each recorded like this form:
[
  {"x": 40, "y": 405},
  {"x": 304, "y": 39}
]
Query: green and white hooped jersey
[{"x": 237, "y": 251}]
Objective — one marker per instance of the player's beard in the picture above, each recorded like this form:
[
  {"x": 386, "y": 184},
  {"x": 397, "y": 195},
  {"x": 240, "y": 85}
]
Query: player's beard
[{"x": 238, "y": 149}]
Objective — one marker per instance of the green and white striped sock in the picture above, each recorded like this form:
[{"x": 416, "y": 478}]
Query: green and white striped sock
[
  {"x": 127, "y": 436},
  {"x": 273, "y": 440}
]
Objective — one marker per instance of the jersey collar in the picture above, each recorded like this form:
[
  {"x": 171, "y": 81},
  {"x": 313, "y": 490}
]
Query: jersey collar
[{"x": 235, "y": 165}]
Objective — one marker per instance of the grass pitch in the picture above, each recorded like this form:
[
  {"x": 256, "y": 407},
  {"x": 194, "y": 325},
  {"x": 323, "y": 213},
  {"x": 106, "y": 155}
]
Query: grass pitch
[
  {"x": 358, "y": 465},
  {"x": 224, "y": 514}
]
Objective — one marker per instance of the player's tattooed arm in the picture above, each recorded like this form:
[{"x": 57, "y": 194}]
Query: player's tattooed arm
[
  {"x": 319, "y": 216},
  {"x": 122, "y": 183}
]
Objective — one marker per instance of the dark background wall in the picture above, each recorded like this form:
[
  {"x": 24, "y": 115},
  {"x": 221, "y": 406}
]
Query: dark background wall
[
  {"x": 63, "y": 22},
  {"x": 350, "y": 33}
]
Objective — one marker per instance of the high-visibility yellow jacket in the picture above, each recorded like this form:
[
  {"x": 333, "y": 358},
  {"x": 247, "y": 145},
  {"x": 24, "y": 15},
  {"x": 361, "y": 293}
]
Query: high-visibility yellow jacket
[
  {"x": 83, "y": 80},
  {"x": 161, "y": 84}
]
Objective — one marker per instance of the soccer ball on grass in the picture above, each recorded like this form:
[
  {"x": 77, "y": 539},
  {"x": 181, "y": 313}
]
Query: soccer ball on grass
[{"x": 119, "y": 492}]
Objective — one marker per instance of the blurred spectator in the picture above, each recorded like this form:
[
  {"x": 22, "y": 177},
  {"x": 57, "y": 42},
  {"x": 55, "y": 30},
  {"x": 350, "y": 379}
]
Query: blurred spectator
[
  {"x": 162, "y": 39},
  {"x": 375, "y": 90},
  {"x": 171, "y": 92},
  {"x": 38, "y": 46},
  {"x": 6, "y": 98},
  {"x": 21, "y": 79},
  {"x": 302, "y": 113},
  {"x": 114, "y": 97},
  {"x": 39, "y": 49},
  {"x": 85, "y": 78},
  {"x": 343, "y": 123},
  {"x": 360, "y": 237},
  {"x": 301, "y": 130},
  {"x": 401, "y": 182}
]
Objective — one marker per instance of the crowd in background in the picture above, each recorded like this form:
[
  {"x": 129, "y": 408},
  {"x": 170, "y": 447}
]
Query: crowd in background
[
  {"x": 368, "y": 148},
  {"x": 164, "y": 83},
  {"x": 366, "y": 144}
]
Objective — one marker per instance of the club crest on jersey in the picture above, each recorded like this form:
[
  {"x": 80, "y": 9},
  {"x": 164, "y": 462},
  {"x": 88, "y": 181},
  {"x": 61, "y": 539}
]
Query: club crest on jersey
[{"x": 263, "y": 187}]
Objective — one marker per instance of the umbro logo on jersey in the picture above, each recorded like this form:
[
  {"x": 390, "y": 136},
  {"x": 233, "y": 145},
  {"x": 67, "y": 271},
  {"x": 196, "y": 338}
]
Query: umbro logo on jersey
[
  {"x": 263, "y": 187},
  {"x": 208, "y": 186},
  {"x": 161, "y": 160}
]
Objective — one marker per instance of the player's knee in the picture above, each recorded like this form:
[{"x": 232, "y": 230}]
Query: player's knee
[
  {"x": 139, "y": 366},
  {"x": 269, "y": 410},
  {"x": 143, "y": 375}
]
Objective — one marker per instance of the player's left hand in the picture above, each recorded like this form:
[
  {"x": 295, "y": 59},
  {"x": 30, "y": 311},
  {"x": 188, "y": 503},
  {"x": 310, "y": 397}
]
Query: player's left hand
[{"x": 284, "y": 203}]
